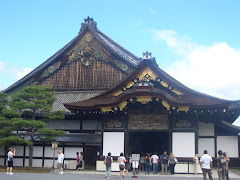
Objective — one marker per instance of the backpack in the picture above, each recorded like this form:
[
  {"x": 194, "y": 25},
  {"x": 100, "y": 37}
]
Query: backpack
[{"x": 108, "y": 161}]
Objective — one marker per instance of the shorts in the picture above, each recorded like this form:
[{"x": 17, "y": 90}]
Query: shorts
[
  {"x": 121, "y": 167},
  {"x": 10, "y": 163},
  {"x": 60, "y": 165}
]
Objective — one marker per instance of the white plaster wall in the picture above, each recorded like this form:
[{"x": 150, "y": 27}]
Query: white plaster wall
[
  {"x": 37, "y": 151},
  {"x": 205, "y": 129},
  {"x": 206, "y": 144},
  {"x": 183, "y": 144},
  {"x": 37, "y": 162},
  {"x": 228, "y": 144},
  {"x": 26, "y": 162},
  {"x": 70, "y": 152},
  {"x": 2, "y": 152},
  {"x": 1, "y": 161},
  {"x": 19, "y": 150},
  {"x": 49, "y": 163},
  {"x": 89, "y": 124},
  {"x": 27, "y": 151},
  {"x": 17, "y": 161},
  {"x": 64, "y": 124},
  {"x": 49, "y": 151},
  {"x": 113, "y": 142}
]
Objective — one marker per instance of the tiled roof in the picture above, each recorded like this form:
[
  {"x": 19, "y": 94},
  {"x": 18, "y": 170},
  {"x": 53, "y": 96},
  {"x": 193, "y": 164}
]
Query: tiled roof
[
  {"x": 71, "y": 96},
  {"x": 89, "y": 23}
]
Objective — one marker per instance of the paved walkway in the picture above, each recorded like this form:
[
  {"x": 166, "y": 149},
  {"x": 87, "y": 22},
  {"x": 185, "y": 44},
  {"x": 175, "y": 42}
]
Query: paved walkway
[{"x": 93, "y": 175}]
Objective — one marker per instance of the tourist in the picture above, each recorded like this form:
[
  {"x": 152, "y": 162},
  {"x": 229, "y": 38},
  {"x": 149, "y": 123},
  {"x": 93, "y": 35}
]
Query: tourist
[
  {"x": 171, "y": 163},
  {"x": 196, "y": 162},
  {"x": 142, "y": 162},
  {"x": 121, "y": 161},
  {"x": 81, "y": 160},
  {"x": 148, "y": 163},
  {"x": 78, "y": 162},
  {"x": 227, "y": 162},
  {"x": 164, "y": 162},
  {"x": 221, "y": 165},
  {"x": 10, "y": 155},
  {"x": 60, "y": 161},
  {"x": 206, "y": 165},
  {"x": 108, "y": 161},
  {"x": 127, "y": 164},
  {"x": 155, "y": 159}
]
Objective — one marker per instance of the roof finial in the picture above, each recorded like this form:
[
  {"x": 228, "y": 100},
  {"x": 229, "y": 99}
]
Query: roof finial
[
  {"x": 89, "y": 22},
  {"x": 147, "y": 55}
]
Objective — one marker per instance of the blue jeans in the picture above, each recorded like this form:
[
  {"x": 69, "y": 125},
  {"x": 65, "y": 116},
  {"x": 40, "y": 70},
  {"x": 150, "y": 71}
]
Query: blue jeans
[
  {"x": 147, "y": 167},
  {"x": 155, "y": 168},
  {"x": 226, "y": 174},
  {"x": 108, "y": 171}
]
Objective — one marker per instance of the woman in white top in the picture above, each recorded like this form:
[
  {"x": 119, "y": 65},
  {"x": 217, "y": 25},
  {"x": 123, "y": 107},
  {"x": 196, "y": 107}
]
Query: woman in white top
[
  {"x": 196, "y": 162},
  {"x": 121, "y": 161}
]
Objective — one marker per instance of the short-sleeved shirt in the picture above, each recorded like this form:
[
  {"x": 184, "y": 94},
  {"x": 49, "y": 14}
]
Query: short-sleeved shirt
[
  {"x": 154, "y": 158},
  {"x": 142, "y": 159},
  {"x": 121, "y": 160},
  {"x": 206, "y": 161},
  {"x": 78, "y": 158},
  {"x": 222, "y": 162},
  {"x": 171, "y": 160},
  {"x": 81, "y": 157},
  {"x": 164, "y": 159},
  {"x": 60, "y": 158},
  {"x": 10, "y": 156}
]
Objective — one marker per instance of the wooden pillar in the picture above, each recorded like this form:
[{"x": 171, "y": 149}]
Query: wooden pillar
[
  {"x": 196, "y": 133},
  {"x": 170, "y": 127},
  {"x": 24, "y": 155},
  {"x": 126, "y": 133},
  {"x": 43, "y": 155},
  {"x": 102, "y": 131}
]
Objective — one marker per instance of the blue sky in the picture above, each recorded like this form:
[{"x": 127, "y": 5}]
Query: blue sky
[{"x": 197, "y": 42}]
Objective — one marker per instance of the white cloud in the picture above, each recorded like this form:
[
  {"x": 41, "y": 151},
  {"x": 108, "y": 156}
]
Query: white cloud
[
  {"x": 2, "y": 66},
  {"x": 22, "y": 72},
  {"x": 213, "y": 69}
]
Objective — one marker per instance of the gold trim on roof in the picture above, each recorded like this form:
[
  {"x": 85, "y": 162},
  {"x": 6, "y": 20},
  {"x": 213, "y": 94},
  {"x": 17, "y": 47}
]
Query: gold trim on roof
[
  {"x": 166, "y": 105},
  {"x": 144, "y": 99},
  {"x": 183, "y": 108}
]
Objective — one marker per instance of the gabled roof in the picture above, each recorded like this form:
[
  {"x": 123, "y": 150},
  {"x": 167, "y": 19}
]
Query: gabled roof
[
  {"x": 169, "y": 90},
  {"x": 90, "y": 24}
]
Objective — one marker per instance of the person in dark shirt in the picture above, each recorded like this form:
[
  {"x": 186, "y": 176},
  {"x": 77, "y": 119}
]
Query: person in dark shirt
[
  {"x": 108, "y": 161},
  {"x": 221, "y": 166},
  {"x": 164, "y": 162}
]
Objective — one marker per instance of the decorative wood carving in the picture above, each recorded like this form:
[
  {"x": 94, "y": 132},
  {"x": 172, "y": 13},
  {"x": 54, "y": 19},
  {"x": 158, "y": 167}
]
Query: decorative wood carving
[
  {"x": 148, "y": 122},
  {"x": 183, "y": 124}
]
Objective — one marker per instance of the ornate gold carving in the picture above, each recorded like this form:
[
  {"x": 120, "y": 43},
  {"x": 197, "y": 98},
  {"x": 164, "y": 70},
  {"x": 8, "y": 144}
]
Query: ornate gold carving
[
  {"x": 144, "y": 99},
  {"x": 124, "y": 67},
  {"x": 116, "y": 93},
  {"x": 183, "y": 124},
  {"x": 166, "y": 105},
  {"x": 51, "y": 69},
  {"x": 130, "y": 85},
  {"x": 164, "y": 84},
  {"x": 88, "y": 38},
  {"x": 183, "y": 108},
  {"x": 114, "y": 123},
  {"x": 106, "y": 109},
  {"x": 177, "y": 92},
  {"x": 148, "y": 122},
  {"x": 150, "y": 75},
  {"x": 122, "y": 105}
]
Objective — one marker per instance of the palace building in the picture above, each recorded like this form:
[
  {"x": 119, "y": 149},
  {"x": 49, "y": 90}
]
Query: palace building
[{"x": 117, "y": 102}]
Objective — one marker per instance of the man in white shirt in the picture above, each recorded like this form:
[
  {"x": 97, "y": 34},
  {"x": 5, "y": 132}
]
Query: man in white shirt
[
  {"x": 206, "y": 165},
  {"x": 60, "y": 161},
  {"x": 155, "y": 159},
  {"x": 10, "y": 154}
]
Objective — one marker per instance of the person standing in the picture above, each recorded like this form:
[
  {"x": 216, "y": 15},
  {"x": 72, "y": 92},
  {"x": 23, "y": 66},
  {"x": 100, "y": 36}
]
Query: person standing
[
  {"x": 164, "y": 162},
  {"x": 127, "y": 164},
  {"x": 81, "y": 160},
  {"x": 148, "y": 163},
  {"x": 155, "y": 159},
  {"x": 221, "y": 166},
  {"x": 227, "y": 162},
  {"x": 171, "y": 163},
  {"x": 121, "y": 161},
  {"x": 206, "y": 165},
  {"x": 142, "y": 162},
  {"x": 60, "y": 161},
  {"x": 195, "y": 161},
  {"x": 10, "y": 154},
  {"x": 108, "y": 161},
  {"x": 78, "y": 162}
]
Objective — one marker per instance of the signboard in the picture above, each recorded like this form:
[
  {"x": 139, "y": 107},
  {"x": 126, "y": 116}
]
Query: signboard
[
  {"x": 55, "y": 145},
  {"x": 135, "y": 157}
]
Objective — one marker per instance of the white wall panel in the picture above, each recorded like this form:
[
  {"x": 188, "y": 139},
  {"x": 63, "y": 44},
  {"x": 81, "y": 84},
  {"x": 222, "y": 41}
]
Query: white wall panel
[
  {"x": 37, "y": 162},
  {"x": 113, "y": 142},
  {"x": 49, "y": 163},
  {"x": 64, "y": 124},
  {"x": 49, "y": 151},
  {"x": 70, "y": 152},
  {"x": 2, "y": 151},
  {"x": 183, "y": 144},
  {"x": 17, "y": 161},
  {"x": 206, "y": 144},
  {"x": 228, "y": 144},
  {"x": 19, "y": 150},
  {"x": 37, "y": 151},
  {"x": 1, "y": 161},
  {"x": 26, "y": 162},
  {"x": 27, "y": 151},
  {"x": 205, "y": 129}
]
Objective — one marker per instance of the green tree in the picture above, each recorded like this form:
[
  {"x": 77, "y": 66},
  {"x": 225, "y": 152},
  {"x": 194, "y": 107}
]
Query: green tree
[{"x": 34, "y": 103}]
